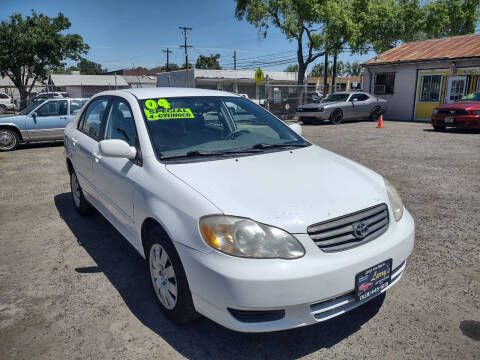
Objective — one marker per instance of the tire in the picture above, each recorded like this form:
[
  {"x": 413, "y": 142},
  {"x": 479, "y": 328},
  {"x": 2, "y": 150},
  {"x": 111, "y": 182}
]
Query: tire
[
  {"x": 3, "y": 109},
  {"x": 375, "y": 115},
  {"x": 169, "y": 282},
  {"x": 336, "y": 117},
  {"x": 9, "y": 140},
  {"x": 438, "y": 127},
  {"x": 81, "y": 204}
]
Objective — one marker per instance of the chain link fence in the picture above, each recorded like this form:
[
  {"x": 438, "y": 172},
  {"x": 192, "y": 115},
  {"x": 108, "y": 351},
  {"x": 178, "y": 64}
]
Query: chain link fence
[{"x": 282, "y": 100}]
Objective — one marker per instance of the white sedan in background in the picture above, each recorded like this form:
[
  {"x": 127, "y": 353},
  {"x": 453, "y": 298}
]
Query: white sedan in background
[{"x": 239, "y": 217}]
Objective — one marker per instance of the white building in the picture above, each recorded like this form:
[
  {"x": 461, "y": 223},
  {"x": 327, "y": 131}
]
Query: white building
[{"x": 86, "y": 85}]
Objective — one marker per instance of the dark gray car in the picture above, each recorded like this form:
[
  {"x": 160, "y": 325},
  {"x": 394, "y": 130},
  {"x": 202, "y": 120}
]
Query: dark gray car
[{"x": 352, "y": 105}]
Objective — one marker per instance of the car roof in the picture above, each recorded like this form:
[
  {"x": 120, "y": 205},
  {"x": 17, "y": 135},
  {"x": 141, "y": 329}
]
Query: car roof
[{"x": 159, "y": 92}]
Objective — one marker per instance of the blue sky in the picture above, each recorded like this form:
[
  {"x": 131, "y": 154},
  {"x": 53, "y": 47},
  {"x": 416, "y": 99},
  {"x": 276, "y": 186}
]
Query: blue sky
[{"x": 121, "y": 33}]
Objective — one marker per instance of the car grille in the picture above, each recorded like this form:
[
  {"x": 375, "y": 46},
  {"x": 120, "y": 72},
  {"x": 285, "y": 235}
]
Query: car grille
[
  {"x": 339, "y": 234},
  {"x": 452, "y": 112}
]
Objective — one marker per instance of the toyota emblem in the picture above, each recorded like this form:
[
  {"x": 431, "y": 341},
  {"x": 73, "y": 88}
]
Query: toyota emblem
[{"x": 360, "y": 230}]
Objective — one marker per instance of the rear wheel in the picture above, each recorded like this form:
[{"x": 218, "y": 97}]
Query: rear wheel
[
  {"x": 81, "y": 204},
  {"x": 336, "y": 117},
  {"x": 375, "y": 115},
  {"x": 168, "y": 277},
  {"x": 9, "y": 140}
]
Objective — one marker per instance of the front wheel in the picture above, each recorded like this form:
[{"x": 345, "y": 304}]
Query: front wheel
[
  {"x": 81, "y": 204},
  {"x": 168, "y": 279},
  {"x": 336, "y": 117},
  {"x": 9, "y": 140}
]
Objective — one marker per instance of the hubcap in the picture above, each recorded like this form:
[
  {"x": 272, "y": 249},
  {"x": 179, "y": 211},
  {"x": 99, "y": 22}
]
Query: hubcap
[
  {"x": 163, "y": 276},
  {"x": 7, "y": 139},
  {"x": 75, "y": 190}
]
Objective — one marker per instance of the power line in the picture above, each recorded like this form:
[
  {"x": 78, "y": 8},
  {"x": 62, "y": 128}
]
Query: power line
[
  {"x": 168, "y": 51},
  {"x": 185, "y": 46}
]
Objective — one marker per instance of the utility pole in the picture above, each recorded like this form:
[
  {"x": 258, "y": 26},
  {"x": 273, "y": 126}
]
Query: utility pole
[
  {"x": 185, "y": 46},
  {"x": 234, "y": 59},
  {"x": 168, "y": 51}
]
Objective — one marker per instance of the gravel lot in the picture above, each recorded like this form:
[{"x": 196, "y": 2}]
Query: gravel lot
[{"x": 72, "y": 288}]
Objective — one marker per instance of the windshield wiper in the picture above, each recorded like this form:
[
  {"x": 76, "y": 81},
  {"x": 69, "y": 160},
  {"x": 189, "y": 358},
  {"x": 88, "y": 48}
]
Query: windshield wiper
[
  {"x": 259, "y": 147},
  {"x": 192, "y": 154},
  {"x": 284, "y": 145}
]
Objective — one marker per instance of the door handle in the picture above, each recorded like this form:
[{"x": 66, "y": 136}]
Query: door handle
[
  {"x": 74, "y": 141},
  {"x": 97, "y": 157}
]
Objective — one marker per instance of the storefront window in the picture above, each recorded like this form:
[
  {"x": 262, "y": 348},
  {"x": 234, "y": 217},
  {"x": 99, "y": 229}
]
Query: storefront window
[
  {"x": 431, "y": 88},
  {"x": 384, "y": 83}
]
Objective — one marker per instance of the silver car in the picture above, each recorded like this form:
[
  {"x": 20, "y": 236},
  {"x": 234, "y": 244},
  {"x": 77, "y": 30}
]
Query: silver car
[{"x": 349, "y": 105}]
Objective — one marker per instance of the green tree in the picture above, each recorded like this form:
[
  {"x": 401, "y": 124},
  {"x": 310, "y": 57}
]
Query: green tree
[
  {"x": 353, "y": 68},
  {"x": 88, "y": 67},
  {"x": 32, "y": 47},
  {"x": 318, "y": 27},
  {"x": 208, "y": 62},
  {"x": 292, "y": 68},
  {"x": 319, "y": 69}
]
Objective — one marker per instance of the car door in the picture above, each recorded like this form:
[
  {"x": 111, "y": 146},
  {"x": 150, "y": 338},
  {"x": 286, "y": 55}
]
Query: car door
[
  {"x": 115, "y": 177},
  {"x": 85, "y": 140},
  {"x": 48, "y": 121},
  {"x": 361, "y": 106}
]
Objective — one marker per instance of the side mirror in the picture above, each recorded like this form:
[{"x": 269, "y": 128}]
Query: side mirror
[
  {"x": 116, "y": 148},
  {"x": 297, "y": 128},
  {"x": 33, "y": 115}
]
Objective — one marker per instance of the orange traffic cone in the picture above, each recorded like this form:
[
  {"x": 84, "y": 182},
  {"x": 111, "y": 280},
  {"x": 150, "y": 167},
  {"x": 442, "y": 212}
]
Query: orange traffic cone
[{"x": 380, "y": 122}]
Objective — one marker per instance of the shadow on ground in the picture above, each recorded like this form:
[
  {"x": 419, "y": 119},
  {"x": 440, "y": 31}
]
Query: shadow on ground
[
  {"x": 202, "y": 338},
  {"x": 454, "y": 131},
  {"x": 39, "y": 144}
]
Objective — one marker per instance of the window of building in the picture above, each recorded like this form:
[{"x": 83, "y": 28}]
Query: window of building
[
  {"x": 431, "y": 88},
  {"x": 384, "y": 83}
]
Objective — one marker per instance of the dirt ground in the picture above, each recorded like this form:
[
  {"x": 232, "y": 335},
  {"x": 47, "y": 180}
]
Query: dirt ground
[{"x": 72, "y": 287}]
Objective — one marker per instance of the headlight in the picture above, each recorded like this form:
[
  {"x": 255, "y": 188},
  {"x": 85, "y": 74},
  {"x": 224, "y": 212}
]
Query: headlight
[
  {"x": 321, "y": 109},
  {"x": 475, "y": 112},
  {"x": 246, "y": 238},
  {"x": 435, "y": 111},
  {"x": 395, "y": 201}
]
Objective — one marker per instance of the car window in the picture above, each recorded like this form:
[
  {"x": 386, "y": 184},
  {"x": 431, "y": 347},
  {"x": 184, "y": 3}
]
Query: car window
[
  {"x": 359, "y": 97},
  {"x": 120, "y": 123},
  {"x": 52, "y": 108},
  {"x": 76, "y": 105},
  {"x": 92, "y": 118}
]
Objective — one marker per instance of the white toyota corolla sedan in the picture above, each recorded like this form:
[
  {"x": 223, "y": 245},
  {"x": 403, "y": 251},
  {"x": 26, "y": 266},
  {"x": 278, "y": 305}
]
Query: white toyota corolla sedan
[{"x": 238, "y": 217}]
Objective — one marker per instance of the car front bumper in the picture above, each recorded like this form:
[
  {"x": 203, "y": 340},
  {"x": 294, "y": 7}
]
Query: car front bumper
[
  {"x": 464, "y": 121},
  {"x": 313, "y": 115},
  {"x": 308, "y": 290}
]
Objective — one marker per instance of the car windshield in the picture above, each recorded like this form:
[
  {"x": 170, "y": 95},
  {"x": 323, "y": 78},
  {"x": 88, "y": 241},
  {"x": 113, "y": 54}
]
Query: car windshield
[
  {"x": 213, "y": 126},
  {"x": 27, "y": 110},
  {"x": 471, "y": 97},
  {"x": 336, "y": 97}
]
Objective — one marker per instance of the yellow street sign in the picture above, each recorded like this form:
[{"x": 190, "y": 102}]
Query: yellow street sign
[{"x": 259, "y": 77}]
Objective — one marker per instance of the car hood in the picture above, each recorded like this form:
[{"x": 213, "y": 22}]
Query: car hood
[
  {"x": 287, "y": 189},
  {"x": 12, "y": 119}
]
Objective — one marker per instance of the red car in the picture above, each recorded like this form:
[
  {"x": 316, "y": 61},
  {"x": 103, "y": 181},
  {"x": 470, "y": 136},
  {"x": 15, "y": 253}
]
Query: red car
[{"x": 464, "y": 113}]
